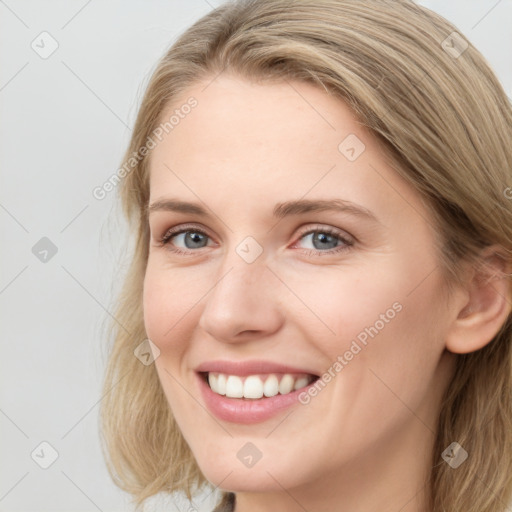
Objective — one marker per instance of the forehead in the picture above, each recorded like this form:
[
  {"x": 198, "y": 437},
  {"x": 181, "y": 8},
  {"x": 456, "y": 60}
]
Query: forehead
[
  {"x": 246, "y": 141},
  {"x": 255, "y": 121}
]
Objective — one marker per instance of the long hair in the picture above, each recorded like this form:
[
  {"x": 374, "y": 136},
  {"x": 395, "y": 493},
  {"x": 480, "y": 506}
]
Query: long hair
[{"x": 444, "y": 121}]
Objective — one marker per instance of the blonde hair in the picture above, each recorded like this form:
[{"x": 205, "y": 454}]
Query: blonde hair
[{"x": 444, "y": 121}]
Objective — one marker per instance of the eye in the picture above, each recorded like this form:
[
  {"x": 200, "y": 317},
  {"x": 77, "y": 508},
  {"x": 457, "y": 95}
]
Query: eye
[
  {"x": 316, "y": 241},
  {"x": 189, "y": 238},
  {"x": 323, "y": 240}
]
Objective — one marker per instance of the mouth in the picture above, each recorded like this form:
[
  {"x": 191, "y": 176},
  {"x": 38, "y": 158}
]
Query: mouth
[
  {"x": 251, "y": 391},
  {"x": 247, "y": 392},
  {"x": 257, "y": 386}
]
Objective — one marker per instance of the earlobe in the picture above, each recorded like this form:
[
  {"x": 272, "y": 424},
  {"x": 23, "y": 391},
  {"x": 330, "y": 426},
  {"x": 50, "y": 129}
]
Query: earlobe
[{"x": 485, "y": 305}]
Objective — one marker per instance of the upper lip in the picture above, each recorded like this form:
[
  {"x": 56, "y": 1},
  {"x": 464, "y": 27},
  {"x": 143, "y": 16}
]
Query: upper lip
[{"x": 252, "y": 367}]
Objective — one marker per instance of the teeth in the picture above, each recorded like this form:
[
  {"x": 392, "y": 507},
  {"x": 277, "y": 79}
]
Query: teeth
[
  {"x": 301, "y": 382},
  {"x": 271, "y": 386},
  {"x": 221, "y": 384},
  {"x": 212, "y": 380},
  {"x": 286, "y": 384},
  {"x": 253, "y": 387},
  {"x": 256, "y": 386},
  {"x": 234, "y": 387}
]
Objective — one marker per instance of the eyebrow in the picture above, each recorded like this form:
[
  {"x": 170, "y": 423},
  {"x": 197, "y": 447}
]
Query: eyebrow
[{"x": 280, "y": 210}]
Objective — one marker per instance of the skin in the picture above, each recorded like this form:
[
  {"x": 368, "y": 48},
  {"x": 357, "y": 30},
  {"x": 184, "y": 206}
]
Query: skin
[{"x": 364, "y": 442}]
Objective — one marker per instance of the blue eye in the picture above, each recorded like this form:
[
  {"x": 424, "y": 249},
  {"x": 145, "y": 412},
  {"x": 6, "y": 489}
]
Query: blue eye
[
  {"x": 192, "y": 239},
  {"x": 322, "y": 240}
]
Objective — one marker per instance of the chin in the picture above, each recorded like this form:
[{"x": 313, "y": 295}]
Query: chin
[{"x": 229, "y": 474}]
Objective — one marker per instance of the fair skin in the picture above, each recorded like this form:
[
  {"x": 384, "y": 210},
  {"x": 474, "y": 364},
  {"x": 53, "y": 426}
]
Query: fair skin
[{"x": 364, "y": 442}]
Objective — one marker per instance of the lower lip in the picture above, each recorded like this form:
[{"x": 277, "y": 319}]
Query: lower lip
[{"x": 246, "y": 411}]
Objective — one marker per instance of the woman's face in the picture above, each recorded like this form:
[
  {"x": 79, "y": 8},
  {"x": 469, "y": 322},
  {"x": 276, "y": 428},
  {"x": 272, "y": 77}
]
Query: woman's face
[{"x": 296, "y": 253}]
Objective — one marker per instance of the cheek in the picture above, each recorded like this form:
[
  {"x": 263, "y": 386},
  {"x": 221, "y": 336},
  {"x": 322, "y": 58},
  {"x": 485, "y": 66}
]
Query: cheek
[
  {"x": 390, "y": 341},
  {"x": 400, "y": 335},
  {"x": 335, "y": 305},
  {"x": 169, "y": 299},
  {"x": 375, "y": 318},
  {"x": 156, "y": 302}
]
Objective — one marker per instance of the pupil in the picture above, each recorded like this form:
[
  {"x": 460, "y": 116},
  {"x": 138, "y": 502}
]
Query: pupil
[
  {"x": 194, "y": 238},
  {"x": 322, "y": 238}
]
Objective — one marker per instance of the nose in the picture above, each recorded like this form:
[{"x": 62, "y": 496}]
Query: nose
[{"x": 243, "y": 303}]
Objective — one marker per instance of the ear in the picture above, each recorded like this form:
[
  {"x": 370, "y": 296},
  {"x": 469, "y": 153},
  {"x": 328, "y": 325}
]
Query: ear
[{"x": 485, "y": 304}]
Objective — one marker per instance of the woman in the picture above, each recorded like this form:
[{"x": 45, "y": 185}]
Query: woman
[{"x": 317, "y": 315}]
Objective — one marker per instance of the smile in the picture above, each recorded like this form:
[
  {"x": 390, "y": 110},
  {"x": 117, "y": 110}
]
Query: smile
[
  {"x": 247, "y": 392},
  {"x": 255, "y": 387}
]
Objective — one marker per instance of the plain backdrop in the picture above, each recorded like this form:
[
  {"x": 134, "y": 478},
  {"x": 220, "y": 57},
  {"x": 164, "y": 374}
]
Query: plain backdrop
[{"x": 65, "y": 122}]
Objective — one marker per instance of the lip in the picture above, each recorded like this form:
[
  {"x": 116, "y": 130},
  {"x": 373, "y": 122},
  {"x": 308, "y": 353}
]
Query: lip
[
  {"x": 242, "y": 410},
  {"x": 253, "y": 367}
]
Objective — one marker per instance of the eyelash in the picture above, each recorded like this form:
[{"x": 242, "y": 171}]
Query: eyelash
[{"x": 168, "y": 235}]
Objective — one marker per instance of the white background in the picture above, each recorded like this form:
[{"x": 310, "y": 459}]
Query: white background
[{"x": 65, "y": 122}]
